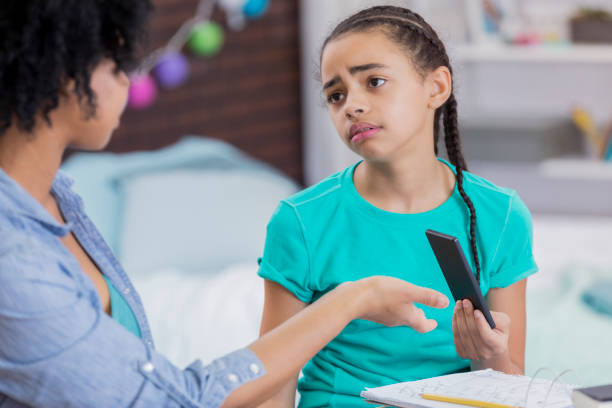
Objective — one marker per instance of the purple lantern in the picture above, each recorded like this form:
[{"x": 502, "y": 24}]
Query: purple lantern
[{"x": 172, "y": 70}]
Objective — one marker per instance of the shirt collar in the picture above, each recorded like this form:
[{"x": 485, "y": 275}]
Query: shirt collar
[{"x": 16, "y": 200}]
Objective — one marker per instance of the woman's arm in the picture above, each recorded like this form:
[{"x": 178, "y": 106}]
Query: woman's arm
[
  {"x": 285, "y": 349},
  {"x": 280, "y": 305},
  {"x": 502, "y": 348}
]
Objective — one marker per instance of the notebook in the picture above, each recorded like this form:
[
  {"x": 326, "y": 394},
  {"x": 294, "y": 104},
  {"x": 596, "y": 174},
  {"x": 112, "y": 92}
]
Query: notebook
[{"x": 484, "y": 385}]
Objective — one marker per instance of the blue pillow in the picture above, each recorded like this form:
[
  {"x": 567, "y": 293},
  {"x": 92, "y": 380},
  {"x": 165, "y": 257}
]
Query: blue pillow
[
  {"x": 199, "y": 219},
  {"x": 97, "y": 175},
  {"x": 598, "y": 296}
]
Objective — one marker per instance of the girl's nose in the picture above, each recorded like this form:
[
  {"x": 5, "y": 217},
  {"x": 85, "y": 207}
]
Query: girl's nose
[
  {"x": 355, "y": 108},
  {"x": 356, "y": 112}
]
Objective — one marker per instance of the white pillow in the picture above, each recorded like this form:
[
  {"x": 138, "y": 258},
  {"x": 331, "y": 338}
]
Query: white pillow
[{"x": 199, "y": 219}]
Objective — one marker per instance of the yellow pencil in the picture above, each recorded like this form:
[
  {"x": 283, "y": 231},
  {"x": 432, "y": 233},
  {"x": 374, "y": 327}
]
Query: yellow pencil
[
  {"x": 465, "y": 401},
  {"x": 585, "y": 123}
]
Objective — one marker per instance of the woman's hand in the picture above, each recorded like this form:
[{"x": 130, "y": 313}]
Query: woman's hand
[
  {"x": 390, "y": 301},
  {"x": 474, "y": 338},
  {"x": 285, "y": 349}
]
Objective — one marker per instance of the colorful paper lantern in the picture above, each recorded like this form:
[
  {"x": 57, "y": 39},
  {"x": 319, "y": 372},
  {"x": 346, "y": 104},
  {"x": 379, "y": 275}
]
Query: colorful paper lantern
[
  {"x": 206, "y": 38},
  {"x": 172, "y": 70},
  {"x": 255, "y": 8},
  {"x": 142, "y": 91},
  {"x": 232, "y": 5}
]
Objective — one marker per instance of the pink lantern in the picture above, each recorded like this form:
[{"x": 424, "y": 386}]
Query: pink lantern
[{"x": 142, "y": 91}]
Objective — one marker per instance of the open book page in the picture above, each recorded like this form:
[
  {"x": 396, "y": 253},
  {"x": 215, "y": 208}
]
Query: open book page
[{"x": 484, "y": 385}]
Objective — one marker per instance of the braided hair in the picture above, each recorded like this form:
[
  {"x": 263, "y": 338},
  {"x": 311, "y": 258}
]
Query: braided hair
[{"x": 412, "y": 33}]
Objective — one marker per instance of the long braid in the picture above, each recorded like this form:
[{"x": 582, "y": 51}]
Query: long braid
[
  {"x": 455, "y": 155},
  {"x": 410, "y": 31}
]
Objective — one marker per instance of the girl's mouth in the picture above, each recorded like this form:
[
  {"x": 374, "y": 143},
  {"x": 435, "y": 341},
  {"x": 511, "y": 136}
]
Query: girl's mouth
[{"x": 362, "y": 131}]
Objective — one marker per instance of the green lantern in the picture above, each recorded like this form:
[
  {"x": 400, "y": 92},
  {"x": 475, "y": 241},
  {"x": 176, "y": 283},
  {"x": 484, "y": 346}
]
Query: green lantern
[{"x": 206, "y": 39}]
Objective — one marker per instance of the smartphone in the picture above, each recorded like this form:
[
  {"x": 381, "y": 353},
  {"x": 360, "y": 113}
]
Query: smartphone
[{"x": 457, "y": 271}]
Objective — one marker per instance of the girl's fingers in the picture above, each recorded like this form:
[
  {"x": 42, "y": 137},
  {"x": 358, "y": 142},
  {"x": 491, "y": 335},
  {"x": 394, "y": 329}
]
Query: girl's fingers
[
  {"x": 456, "y": 336},
  {"x": 486, "y": 333},
  {"x": 472, "y": 328},
  {"x": 466, "y": 338}
]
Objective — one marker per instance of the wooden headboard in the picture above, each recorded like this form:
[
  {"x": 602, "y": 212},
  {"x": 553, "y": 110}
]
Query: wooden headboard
[{"x": 247, "y": 94}]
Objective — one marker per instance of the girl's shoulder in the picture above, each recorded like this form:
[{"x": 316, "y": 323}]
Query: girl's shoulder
[
  {"x": 322, "y": 193},
  {"x": 482, "y": 186},
  {"x": 496, "y": 202}
]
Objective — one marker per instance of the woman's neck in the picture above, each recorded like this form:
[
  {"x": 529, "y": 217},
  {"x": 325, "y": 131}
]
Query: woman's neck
[
  {"x": 32, "y": 159},
  {"x": 412, "y": 184}
]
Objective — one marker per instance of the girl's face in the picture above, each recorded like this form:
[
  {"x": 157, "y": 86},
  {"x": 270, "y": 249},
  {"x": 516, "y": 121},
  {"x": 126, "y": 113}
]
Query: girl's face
[
  {"x": 377, "y": 100},
  {"x": 111, "y": 90}
]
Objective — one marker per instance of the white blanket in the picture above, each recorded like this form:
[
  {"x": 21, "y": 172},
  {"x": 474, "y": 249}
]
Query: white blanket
[{"x": 210, "y": 314}]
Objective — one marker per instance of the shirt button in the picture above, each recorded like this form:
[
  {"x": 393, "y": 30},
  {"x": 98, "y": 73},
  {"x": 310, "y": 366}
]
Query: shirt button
[
  {"x": 233, "y": 378},
  {"x": 254, "y": 368},
  {"x": 126, "y": 291},
  {"x": 148, "y": 367}
]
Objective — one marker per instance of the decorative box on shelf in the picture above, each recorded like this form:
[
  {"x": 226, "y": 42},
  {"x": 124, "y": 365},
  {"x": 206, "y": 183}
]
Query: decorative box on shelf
[{"x": 591, "y": 26}]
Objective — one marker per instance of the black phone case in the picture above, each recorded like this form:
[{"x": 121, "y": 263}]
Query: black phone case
[{"x": 457, "y": 271}]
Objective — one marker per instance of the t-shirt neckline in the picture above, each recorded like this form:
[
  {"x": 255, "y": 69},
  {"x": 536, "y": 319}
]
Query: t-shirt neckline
[{"x": 399, "y": 219}]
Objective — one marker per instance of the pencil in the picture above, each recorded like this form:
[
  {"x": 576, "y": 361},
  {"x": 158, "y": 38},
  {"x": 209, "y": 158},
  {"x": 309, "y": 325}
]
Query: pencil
[
  {"x": 465, "y": 401},
  {"x": 585, "y": 123}
]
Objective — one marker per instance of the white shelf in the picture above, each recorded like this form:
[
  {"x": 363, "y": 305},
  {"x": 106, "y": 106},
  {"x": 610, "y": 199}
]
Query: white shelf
[
  {"x": 555, "y": 186},
  {"x": 534, "y": 53},
  {"x": 580, "y": 169}
]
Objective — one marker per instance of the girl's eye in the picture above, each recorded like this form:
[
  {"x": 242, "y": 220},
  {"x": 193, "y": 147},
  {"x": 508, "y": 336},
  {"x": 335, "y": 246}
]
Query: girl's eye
[
  {"x": 376, "y": 82},
  {"x": 335, "y": 98}
]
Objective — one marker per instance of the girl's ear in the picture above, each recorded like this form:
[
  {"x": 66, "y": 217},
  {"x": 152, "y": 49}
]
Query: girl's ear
[{"x": 440, "y": 85}]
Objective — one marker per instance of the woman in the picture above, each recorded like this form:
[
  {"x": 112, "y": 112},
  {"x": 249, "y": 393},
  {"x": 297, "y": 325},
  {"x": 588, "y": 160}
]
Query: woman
[{"x": 72, "y": 328}]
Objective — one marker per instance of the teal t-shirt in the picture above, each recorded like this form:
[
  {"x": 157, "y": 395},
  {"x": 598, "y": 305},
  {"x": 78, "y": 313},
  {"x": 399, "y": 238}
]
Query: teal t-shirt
[
  {"x": 328, "y": 234},
  {"x": 121, "y": 311}
]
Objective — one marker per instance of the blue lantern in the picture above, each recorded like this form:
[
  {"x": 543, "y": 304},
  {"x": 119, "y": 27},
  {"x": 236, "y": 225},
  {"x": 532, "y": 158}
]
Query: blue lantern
[{"x": 255, "y": 8}]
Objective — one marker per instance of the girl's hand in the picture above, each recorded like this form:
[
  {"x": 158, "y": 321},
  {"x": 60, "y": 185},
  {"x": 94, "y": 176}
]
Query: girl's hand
[
  {"x": 390, "y": 301},
  {"x": 474, "y": 338}
]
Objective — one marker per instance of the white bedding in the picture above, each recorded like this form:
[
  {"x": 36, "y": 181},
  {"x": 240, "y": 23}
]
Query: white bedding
[
  {"x": 207, "y": 315},
  {"x": 202, "y": 316}
]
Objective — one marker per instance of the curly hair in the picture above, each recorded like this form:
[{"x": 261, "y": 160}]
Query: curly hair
[
  {"x": 46, "y": 43},
  {"x": 413, "y": 34}
]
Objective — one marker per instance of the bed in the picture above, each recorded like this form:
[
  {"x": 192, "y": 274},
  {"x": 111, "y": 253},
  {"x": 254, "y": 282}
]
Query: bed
[{"x": 188, "y": 223}]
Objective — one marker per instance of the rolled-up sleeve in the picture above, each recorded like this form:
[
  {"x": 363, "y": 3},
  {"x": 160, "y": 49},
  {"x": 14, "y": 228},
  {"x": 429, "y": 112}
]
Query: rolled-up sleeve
[{"x": 59, "y": 349}]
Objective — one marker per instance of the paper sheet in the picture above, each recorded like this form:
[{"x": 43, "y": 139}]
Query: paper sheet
[{"x": 484, "y": 385}]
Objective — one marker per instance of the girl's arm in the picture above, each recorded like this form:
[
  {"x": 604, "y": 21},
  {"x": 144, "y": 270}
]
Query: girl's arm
[
  {"x": 502, "y": 348},
  {"x": 280, "y": 305},
  {"x": 285, "y": 349}
]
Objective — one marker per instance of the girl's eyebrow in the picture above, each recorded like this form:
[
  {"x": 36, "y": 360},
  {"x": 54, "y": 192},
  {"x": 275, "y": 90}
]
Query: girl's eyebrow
[{"x": 353, "y": 70}]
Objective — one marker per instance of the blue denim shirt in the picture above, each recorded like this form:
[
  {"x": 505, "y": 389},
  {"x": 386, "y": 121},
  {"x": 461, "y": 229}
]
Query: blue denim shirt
[{"x": 58, "y": 348}]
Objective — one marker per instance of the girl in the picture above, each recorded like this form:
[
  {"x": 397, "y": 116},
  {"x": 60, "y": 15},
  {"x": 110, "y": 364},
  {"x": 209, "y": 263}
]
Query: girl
[
  {"x": 388, "y": 83},
  {"x": 73, "y": 332}
]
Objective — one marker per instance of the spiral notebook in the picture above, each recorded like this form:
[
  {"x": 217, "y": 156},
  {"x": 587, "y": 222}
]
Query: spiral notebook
[{"x": 484, "y": 385}]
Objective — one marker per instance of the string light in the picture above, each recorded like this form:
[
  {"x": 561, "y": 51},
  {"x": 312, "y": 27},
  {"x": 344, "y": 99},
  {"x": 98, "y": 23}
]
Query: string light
[{"x": 203, "y": 36}]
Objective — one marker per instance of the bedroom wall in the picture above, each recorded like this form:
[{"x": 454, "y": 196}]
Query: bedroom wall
[{"x": 248, "y": 94}]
